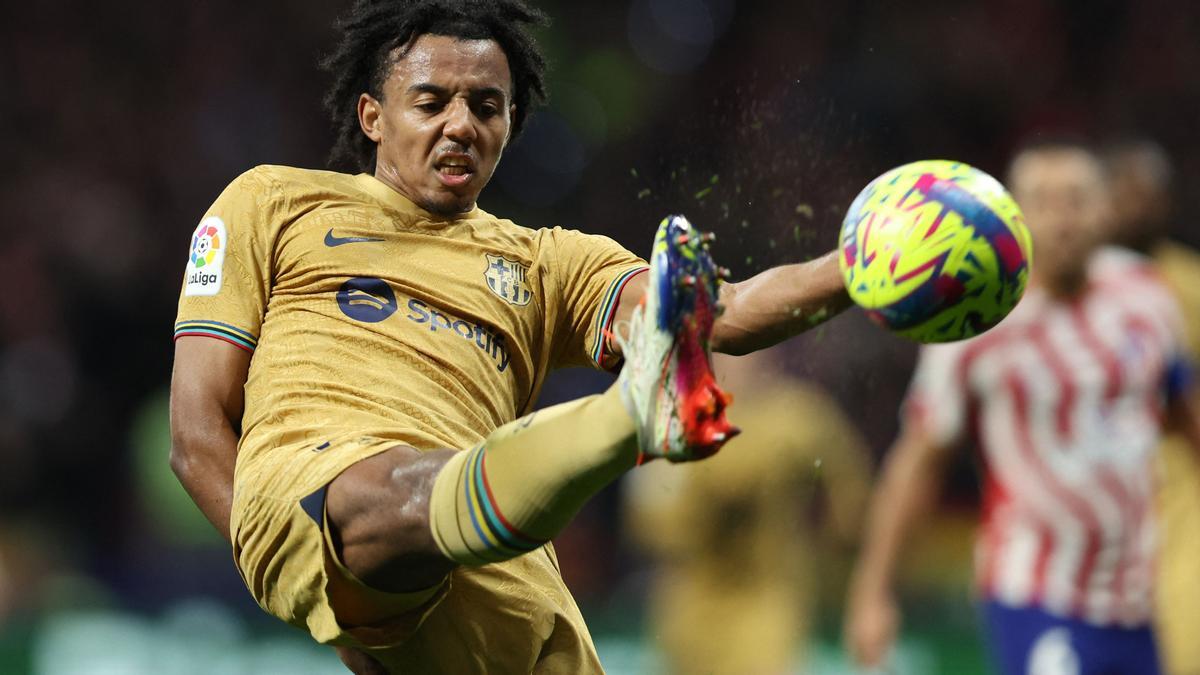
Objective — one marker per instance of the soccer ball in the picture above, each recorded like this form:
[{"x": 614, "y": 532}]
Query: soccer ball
[{"x": 935, "y": 251}]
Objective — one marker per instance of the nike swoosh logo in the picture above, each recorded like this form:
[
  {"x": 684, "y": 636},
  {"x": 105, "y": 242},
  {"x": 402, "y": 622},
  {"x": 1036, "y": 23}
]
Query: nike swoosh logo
[{"x": 332, "y": 241}]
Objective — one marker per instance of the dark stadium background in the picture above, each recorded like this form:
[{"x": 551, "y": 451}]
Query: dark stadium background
[{"x": 121, "y": 121}]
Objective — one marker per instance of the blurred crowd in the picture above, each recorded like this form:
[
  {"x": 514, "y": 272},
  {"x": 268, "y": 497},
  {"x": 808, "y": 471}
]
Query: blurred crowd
[{"x": 123, "y": 120}]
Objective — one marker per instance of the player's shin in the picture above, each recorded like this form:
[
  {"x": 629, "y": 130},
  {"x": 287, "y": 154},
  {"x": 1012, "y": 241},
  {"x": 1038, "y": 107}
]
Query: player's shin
[{"x": 519, "y": 488}]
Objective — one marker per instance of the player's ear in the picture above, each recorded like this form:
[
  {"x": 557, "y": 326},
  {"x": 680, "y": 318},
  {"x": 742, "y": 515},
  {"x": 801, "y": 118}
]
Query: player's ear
[
  {"x": 370, "y": 117},
  {"x": 512, "y": 115}
]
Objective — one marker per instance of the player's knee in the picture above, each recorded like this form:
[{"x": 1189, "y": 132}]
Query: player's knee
[{"x": 378, "y": 512}]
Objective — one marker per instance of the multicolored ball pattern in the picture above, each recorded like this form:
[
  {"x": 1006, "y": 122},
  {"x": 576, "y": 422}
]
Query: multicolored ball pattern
[
  {"x": 935, "y": 251},
  {"x": 206, "y": 241}
]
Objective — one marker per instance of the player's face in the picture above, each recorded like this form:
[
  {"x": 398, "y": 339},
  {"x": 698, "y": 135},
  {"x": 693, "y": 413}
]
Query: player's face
[
  {"x": 443, "y": 121},
  {"x": 1140, "y": 199},
  {"x": 1061, "y": 192}
]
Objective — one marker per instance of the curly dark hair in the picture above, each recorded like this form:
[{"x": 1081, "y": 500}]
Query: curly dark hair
[{"x": 372, "y": 29}]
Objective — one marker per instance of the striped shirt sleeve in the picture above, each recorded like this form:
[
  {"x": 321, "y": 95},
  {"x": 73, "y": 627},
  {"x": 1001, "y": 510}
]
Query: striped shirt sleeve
[
  {"x": 227, "y": 272},
  {"x": 937, "y": 400},
  {"x": 591, "y": 272}
]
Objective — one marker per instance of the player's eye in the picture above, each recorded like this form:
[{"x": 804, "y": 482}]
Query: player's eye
[
  {"x": 486, "y": 110},
  {"x": 429, "y": 106}
]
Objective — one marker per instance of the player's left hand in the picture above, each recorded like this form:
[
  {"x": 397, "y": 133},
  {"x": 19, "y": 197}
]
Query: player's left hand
[{"x": 872, "y": 623}]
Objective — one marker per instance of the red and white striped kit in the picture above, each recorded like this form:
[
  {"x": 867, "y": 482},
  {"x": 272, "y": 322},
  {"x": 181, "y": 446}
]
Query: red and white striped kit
[{"x": 1064, "y": 401}]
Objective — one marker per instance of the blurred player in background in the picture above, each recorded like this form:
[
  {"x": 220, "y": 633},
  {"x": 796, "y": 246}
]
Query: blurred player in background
[
  {"x": 353, "y": 353},
  {"x": 736, "y": 551},
  {"x": 1140, "y": 177},
  {"x": 1065, "y": 402}
]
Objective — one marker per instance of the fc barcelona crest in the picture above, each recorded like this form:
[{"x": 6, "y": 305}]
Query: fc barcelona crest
[{"x": 506, "y": 278}]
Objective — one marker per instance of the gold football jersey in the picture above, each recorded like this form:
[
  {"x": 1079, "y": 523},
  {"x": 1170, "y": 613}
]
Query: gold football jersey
[
  {"x": 736, "y": 584},
  {"x": 368, "y": 316},
  {"x": 1178, "y": 585}
]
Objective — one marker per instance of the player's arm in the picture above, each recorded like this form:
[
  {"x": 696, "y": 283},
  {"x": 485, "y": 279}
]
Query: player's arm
[
  {"x": 206, "y": 412},
  {"x": 207, "y": 400},
  {"x": 911, "y": 479},
  {"x": 768, "y": 308},
  {"x": 779, "y": 303}
]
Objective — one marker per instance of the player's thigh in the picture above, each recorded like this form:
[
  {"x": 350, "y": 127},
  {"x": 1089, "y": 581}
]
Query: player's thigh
[{"x": 378, "y": 513}]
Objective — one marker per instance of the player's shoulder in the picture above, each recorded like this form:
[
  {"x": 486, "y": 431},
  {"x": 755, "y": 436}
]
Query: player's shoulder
[
  {"x": 1123, "y": 273},
  {"x": 1180, "y": 267},
  {"x": 276, "y": 184},
  {"x": 269, "y": 197},
  {"x": 569, "y": 234},
  {"x": 503, "y": 233},
  {"x": 291, "y": 179},
  {"x": 947, "y": 352},
  {"x": 1117, "y": 265},
  {"x": 502, "y": 224},
  {"x": 1174, "y": 258},
  {"x": 965, "y": 354},
  {"x": 572, "y": 244},
  {"x": 553, "y": 242}
]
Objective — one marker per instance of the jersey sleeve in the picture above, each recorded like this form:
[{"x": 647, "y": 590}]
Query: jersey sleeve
[
  {"x": 228, "y": 271},
  {"x": 939, "y": 396},
  {"x": 590, "y": 272}
]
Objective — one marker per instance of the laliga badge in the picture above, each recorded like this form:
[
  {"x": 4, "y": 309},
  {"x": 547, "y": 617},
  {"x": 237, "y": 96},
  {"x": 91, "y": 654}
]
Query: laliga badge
[{"x": 206, "y": 258}]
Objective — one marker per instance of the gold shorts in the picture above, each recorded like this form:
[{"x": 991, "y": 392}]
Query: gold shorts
[{"x": 283, "y": 550}]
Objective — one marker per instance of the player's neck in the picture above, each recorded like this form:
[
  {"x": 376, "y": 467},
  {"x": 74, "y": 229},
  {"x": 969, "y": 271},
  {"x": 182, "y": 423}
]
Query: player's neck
[{"x": 438, "y": 212}]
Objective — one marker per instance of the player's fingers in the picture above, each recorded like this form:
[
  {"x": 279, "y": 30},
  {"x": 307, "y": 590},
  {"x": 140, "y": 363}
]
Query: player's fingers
[
  {"x": 869, "y": 651},
  {"x": 854, "y": 641},
  {"x": 869, "y": 635},
  {"x": 885, "y": 634}
]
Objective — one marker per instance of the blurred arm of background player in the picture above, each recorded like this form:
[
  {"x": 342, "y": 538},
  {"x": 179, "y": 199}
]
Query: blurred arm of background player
[
  {"x": 908, "y": 486},
  {"x": 207, "y": 398},
  {"x": 769, "y": 307}
]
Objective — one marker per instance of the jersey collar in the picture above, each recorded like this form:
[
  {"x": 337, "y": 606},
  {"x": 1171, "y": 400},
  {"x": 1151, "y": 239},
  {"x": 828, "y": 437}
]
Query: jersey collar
[{"x": 389, "y": 196}]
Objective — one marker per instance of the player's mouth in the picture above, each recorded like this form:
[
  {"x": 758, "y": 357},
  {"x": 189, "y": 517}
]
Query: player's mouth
[{"x": 455, "y": 169}]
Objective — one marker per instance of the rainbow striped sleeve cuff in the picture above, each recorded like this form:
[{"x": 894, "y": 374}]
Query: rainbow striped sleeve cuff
[
  {"x": 608, "y": 310},
  {"x": 215, "y": 329},
  {"x": 501, "y": 538}
]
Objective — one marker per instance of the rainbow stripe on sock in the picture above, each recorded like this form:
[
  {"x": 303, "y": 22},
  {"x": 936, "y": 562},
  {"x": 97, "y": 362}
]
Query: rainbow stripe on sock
[
  {"x": 215, "y": 329},
  {"x": 500, "y": 536}
]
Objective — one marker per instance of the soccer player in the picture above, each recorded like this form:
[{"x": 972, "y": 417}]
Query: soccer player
[
  {"x": 1139, "y": 178},
  {"x": 357, "y": 355},
  {"x": 1065, "y": 402},
  {"x": 735, "y": 587}
]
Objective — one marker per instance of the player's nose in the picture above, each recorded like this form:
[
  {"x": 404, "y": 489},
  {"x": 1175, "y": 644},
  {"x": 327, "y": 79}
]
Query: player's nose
[{"x": 460, "y": 126}]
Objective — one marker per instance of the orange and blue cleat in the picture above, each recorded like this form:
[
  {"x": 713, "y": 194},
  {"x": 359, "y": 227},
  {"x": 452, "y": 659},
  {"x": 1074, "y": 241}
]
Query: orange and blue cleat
[{"x": 667, "y": 382}]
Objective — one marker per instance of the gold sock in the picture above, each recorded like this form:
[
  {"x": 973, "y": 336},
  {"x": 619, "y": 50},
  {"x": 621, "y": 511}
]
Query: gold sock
[{"x": 527, "y": 480}]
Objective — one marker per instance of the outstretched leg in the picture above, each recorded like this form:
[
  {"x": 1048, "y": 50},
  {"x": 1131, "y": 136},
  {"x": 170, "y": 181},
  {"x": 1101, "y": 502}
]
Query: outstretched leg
[{"x": 520, "y": 488}]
